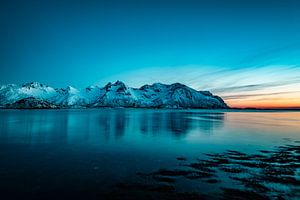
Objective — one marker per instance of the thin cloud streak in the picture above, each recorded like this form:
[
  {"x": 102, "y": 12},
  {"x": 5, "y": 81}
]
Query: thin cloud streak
[
  {"x": 245, "y": 88},
  {"x": 246, "y": 96},
  {"x": 270, "y": 56}
]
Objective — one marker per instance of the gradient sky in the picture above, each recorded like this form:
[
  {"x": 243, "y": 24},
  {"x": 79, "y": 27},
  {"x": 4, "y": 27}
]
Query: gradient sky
[{"x": 248, "y": 52}]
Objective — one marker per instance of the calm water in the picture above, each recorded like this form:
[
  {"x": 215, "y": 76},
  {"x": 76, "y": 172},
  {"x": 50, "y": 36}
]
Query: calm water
[{"x": 44, "y": 153}]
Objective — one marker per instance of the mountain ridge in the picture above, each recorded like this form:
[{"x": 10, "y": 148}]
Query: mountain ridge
[{"x": 118, "y": 94}]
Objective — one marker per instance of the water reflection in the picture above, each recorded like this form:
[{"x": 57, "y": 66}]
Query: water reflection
[
  {"x": 119, "y": 123},
  {"x": 66, "y": 150},
  {"x": 80, "y": 125},
  {"x": 102, "y": 125}
]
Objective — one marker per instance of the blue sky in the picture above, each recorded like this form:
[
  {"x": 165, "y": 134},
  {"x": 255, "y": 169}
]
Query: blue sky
[{"x": 234, "y": 48}]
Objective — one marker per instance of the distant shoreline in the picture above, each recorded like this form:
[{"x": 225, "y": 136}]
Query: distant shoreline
[
  {"x": 289, "y": 109},
  {"x": 152, "y": 108}
]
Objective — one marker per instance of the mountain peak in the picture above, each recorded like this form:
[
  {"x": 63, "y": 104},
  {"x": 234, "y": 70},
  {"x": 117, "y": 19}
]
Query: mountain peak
[
  {"x": 33, "y": 85},
  {"x": 119, "y": 83},
  {"x": 118, "y": 86},
  {"x": 67, "y": 90},
  {"x": 178, "y": 85},
  {"x": 71, "y": 89}
]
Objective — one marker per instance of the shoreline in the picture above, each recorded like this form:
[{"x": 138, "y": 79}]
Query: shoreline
[{"x": 170, "y": 109}]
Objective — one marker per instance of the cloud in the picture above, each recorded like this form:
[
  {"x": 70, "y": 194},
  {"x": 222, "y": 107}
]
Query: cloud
[
  {"x": 270, "y": 56},
  {"x": 254, "y": 87},
  {"x": 247, "y": 96}
]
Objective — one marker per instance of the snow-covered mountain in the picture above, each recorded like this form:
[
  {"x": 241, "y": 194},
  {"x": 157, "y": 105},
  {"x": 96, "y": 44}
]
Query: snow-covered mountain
[{"x": 157, "y": 95}]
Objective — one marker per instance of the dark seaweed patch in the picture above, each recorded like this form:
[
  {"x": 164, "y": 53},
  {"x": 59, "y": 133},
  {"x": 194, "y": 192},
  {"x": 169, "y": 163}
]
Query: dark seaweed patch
[
  {"x": 164, "y": 179},
  {"x": 181, "y": 158},
  {"x": 233, "y": 169},
  {"x": 253, "y": 175},
  {"x": 204, "y": 167},
  {"x": 252, "y": 183}
]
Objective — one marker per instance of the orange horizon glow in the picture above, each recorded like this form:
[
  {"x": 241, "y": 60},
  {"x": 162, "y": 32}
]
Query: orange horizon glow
[
  {"x": 269, "y": 98},
  {"x": 266, "y": 104}
]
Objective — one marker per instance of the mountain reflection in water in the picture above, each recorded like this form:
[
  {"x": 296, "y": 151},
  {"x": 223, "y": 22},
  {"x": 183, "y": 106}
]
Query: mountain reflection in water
[{"x": 59, "y": 126}]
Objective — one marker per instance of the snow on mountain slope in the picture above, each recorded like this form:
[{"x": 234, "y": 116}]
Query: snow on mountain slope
[
  {"x": 178, "y": 96},
  {"x": 68, "y": 97},
  {"x": 92, "y": 94},
  {"x": 9, "y": 94},
  {"x": 12, "y": 93},
  {"x": 38, "y": 90},
  {"x": 115, "y": 94}
]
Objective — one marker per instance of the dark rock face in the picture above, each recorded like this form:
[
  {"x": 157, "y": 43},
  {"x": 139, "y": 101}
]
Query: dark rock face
[{"x": 32, "y": 103}]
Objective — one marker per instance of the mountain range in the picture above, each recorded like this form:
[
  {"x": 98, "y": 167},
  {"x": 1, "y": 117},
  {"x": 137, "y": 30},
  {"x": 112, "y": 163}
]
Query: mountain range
[{"x": 35, "y": 95}]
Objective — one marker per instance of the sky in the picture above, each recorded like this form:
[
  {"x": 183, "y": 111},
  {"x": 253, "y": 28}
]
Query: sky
[{"x": 247, "y": 52}]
